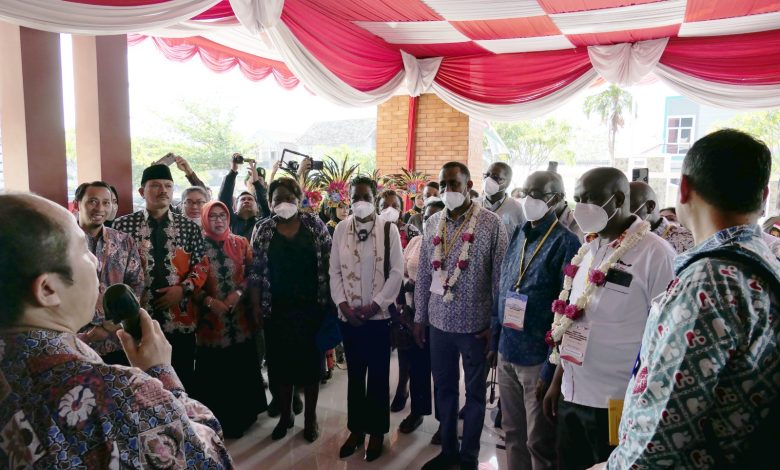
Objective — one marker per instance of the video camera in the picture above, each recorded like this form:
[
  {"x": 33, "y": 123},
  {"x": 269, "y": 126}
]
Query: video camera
[{"x": 292, "y": 166}]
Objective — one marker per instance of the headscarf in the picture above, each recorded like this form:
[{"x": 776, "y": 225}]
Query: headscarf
[{"x": 231, "y": 243}]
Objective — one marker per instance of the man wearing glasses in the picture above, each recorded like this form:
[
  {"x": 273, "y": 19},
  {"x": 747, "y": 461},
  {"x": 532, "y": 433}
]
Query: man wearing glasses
[{"x": 496, "y": 200}]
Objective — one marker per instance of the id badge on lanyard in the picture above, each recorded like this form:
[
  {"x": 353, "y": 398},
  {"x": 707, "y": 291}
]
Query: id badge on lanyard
[{"x": 514, "y": 310}]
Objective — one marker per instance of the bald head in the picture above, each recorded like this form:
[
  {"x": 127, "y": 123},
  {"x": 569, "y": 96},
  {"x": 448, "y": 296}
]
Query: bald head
[
  {"x": 608, "y": 188},
  {"x": 644, "y": 202}
]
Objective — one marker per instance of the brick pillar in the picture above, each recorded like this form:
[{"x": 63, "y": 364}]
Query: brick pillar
[
  {"x": 33, "y": 129},
  {"x": 443, "y": 134}
]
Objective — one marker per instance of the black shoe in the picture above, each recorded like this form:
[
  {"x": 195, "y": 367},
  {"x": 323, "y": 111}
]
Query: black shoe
[
  {"x": 311, "y": 431},
  {"x": 352, "y": 443},
  {"x": 297, "y": 404},
  {"x": 462, "y": 413},
  {"x": 273, "y": 409},
  {"x": 436, "y": 438},
  {"x": 410, "y": 423},
  {"x": 374, "y": 449},
  {"x": 442, "y": 462},
  {"x": 326, "y": 376},
  {"x": 399, "y": 403},
  {"x": 281, "y": 430},
  {"x": 468, "y": 465}
]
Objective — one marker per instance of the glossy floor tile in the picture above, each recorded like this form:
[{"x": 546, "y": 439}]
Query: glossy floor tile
[{"x": 256, "y": 449}]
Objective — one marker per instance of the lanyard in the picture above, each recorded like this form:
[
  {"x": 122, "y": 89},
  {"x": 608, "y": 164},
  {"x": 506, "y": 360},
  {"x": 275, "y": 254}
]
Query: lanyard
[
  {"x": 448, "y": 244},
  {"x": 666, "y": 232},
  {"x": 533, "y": 255}
]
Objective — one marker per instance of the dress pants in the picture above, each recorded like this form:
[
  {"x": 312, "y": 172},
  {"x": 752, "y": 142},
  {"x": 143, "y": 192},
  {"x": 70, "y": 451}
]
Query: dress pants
[
  {"x": 583, "y": 435},
  {"x": 446, "y": 350},
  {"x": 530, "y": 436},
  {"x": 183, "y": 357},
  {"x": 367, "y": 349},
  {"x": 419, "y": 361}
]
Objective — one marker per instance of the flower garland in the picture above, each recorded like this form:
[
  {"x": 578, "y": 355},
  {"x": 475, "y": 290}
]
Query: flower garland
[
  {"x": 566, "y": 313},
  {"x": 448, "y": 280}
]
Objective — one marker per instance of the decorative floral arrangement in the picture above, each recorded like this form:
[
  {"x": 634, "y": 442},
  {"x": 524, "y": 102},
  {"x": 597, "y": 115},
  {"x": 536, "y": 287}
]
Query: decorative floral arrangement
[
  {"x": 410, "y": 182},
  {"x": 468, "y": 237},
  {"x": 333, "y": 180},
  {"x": 566, "y": 313}
]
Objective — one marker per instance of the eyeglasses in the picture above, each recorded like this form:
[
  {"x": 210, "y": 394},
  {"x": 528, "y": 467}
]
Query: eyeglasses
[
  {"x": 497, "y": 178},
  {"x": 533, "y": 193},
  {"x": 194, "y": 203},
  {"x": 218, "y": 217}
]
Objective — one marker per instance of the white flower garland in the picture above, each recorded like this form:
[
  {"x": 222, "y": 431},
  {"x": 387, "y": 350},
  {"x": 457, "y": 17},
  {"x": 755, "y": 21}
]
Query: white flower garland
[
  {"x": 449, "y": 280},
  {"x": 562, "y": 323}
]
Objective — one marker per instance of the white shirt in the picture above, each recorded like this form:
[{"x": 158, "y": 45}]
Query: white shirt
[
  {"x": 772, "y": 242},
  {"x": 371, "y": 252},
  {"x": 509, "y": 210},
  {"x": 617, "y": 320}
]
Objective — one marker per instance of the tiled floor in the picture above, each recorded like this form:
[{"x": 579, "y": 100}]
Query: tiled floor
[{"x": 256, "y": 450}]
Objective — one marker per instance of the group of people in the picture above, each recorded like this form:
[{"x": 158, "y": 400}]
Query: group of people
[{"x": 602, "y": 314}]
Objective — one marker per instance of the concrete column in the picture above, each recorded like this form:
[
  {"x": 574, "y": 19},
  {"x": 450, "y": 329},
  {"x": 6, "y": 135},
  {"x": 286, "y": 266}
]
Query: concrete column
[
  {"x": 103, "y": 113},
  {"x": 31, "y": 112}
]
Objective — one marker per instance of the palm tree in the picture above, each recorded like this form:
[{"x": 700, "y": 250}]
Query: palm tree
[{"x": 610, "y": 105}]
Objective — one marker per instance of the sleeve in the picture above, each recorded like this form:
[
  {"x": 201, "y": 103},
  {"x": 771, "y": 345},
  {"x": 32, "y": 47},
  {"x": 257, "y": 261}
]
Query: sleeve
[
  {"x": 548, "y": 370},
  {"x": 676, "y": 386},
  {"x": 134, "y": 273},
  {"x": 392, "y": 285},
  {"x": 422, "y": 288},
  {"x": 261, "y": 195},
  {"x": 336, "y": 282},
  {"x": 226, "y": 191},
  {"x": 199, "y": 264},
  {"x": 248, "y": 260},
  {"x": 661, "y": 271},
  {"x": 195, "y": 181}
]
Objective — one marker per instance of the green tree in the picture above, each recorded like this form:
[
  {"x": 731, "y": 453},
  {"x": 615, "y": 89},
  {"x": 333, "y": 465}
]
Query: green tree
[
  {"x": 364, "y": 159},
  {"x": 532, "y": 144},
  {"x": 610, "y": 105},
  {"x": 764, "y": 125}
]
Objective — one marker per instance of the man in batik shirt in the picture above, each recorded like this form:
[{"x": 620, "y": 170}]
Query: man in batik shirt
[
  {"x": 118, "y": 262},
  {"x": 62, "y": 406},
  {"x": 172, "y": 253},
  {"x": 706, "y": 390},
  {"x": 644, "y": 204}
]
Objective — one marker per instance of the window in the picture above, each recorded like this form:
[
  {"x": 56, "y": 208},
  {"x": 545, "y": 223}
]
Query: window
[{"x": 679, "y": 134}]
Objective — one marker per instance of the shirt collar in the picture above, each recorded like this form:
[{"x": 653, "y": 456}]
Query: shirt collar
[
  {"x": 736, "y": 234},
  {"x": 544, "y": 225},
  {"x": 148, "y": 216},
  {"x": 493, "y": 207},
  {"x": 634, "y": 227},
  {"x": 462, "y": 216}
]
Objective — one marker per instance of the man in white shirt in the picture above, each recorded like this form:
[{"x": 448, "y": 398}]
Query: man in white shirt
[
  {"x": 627, "y": 266},
  {"x": 364, "y": 286},
  {"x": 496, "y": 200}
]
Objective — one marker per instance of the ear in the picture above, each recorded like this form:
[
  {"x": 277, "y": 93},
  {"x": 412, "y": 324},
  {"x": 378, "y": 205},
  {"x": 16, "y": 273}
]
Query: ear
[
  {"x": 620, "y": 199},
  {"x": 141, "y": 191},
  {"x": 44, "y": 290},
  {"x": 651, "y": 205},
  {"x": 469, "y": 185},
  {"x": 685, "y": 190}
]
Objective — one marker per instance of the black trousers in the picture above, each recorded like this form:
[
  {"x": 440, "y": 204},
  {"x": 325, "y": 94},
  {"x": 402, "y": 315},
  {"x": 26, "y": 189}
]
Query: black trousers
[
  {"x": 583, "y": 435},
  {"x": 419, "y": 361},
  {"x": 367, "y": 349},
  {"x": 183, "y": 357}
]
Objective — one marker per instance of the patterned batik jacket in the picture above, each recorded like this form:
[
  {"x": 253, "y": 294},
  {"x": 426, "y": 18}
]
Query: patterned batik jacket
[
  {"x": 185, "y": 264},
  {"x": 118, "y": 262},
  {"x": 709, "y": 368},
  {"x": 62, "y": 407},
  {"x": 224, "y": 277},
  {"x": 260, "y": 275}
]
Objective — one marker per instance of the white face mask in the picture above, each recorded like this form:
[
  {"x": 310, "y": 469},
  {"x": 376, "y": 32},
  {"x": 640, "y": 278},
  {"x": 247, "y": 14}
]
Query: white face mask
[
  {"x": 592, "y": 218},
  {"x": 453, "y": 200},
  {"x": 491, "y": 186},
  {"x": 362, "y": 209},
  {"x": 534, "y": 209},
  {"x": 390, "y": 214},
  {"x": 285, "y": 210}
]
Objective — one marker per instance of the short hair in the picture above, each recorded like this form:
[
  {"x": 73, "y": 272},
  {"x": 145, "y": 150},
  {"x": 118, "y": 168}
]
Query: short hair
[
  {"x": 113, "y": 190},
  {"x": 389, "y": 193},
  {"x": 505, "y": 167},
  {"x": 42, "y": 247},
  {"x": 669, "y": 209},
  {"x": 82, "y": 189},
  {"x": 242, "y": 193},
  {"x": 460, "y": 166},
  {"x": 433, "y": 184},
  {"x": 361, "y": 179},
  {"x": 193, "y": 189},
  {"x": 287, "y": 183},
  {"x": 729, "y": 169}
]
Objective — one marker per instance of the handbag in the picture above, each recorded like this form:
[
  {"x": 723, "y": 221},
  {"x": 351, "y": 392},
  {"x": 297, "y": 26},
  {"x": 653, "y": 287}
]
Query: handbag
[{"x": 329, "y": 334}]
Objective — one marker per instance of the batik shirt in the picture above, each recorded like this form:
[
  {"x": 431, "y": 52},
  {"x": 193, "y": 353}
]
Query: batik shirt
[
  {"x": 476, "y": 290},
  {"x": 710, "y": 360},
  {"x": 62, "y": 407},
  {"x": 225, "y": 276},
  {"x": 118, "y": 262},
  {"x": 679, "y": 237},
  {"x": 183, "y": 262},
  {"x": 260, "y": 274}
]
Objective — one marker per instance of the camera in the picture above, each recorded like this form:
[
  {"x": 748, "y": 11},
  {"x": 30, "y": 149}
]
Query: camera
[
  {"x": 239, "y": 159},
  {"x": 292, "y": 166}
]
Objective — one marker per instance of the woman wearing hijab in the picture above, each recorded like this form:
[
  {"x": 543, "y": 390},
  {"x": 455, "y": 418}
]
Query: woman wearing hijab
[
  {"x": 290, "y": 289},
  {"x": 227, "y": 369}
]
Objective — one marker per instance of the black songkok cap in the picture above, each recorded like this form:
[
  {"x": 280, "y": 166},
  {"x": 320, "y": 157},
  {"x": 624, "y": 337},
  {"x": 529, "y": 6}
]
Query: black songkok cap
[{"x": 156, "y": 172}]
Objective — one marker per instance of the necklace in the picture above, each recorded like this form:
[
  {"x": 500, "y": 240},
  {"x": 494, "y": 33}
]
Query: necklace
[
  {"x": 566, "y": 313},
  {"x": 448, "y": 280}
]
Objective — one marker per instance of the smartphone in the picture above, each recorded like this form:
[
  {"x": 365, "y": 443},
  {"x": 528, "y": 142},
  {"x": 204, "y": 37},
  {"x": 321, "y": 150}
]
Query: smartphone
[
  {"x": 168, "y": 159},
  {"x": 553, "y": 167},
  {"x": 641, "y": 174},
  {"x": 316, "y": 165}
]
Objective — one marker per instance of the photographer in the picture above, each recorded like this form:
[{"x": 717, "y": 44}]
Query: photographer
[
  {"x": 62, "y": 405},
  {"x": 249, "y": 208}
]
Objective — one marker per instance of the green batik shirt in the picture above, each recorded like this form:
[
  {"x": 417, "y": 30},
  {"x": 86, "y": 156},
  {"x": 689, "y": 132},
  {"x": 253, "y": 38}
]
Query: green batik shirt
[{"x": 709, "y": 368}]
